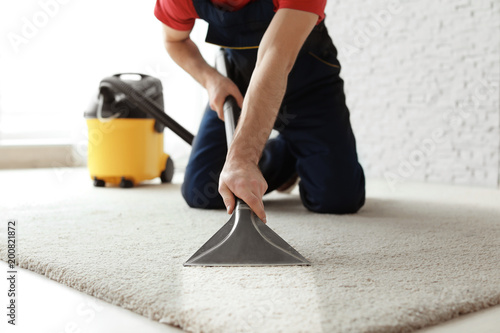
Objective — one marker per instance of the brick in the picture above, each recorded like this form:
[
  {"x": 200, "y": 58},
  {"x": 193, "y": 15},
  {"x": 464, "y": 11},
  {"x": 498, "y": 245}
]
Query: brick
[{"x": 403, "y": 84}]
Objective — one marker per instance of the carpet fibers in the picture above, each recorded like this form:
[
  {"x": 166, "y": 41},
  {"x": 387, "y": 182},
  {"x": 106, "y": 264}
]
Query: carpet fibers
[{"x": 410, "y": 258}]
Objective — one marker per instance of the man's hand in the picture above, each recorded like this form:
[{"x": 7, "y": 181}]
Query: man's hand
[
  {"x": 218, "y": 88},
  {"x": 244, "y": 180}
]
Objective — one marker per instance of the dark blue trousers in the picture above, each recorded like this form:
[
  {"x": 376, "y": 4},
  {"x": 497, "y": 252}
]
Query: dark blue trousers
[{"x": 315, "y": 140}]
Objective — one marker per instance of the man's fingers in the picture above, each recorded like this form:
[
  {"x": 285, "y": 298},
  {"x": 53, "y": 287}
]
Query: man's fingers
[
  {"x": 217, "y": 104},
  {"x": 220, "y": 91},
  {"x": 235, "y": 92},
  {"x": 220, "y": 114},
  {"x": 251, "y": 193},
  {"x": 239, "y": 100},
  {"x": 227, "y": 197},
  {"x": 257, "y": 206},
  {"x": 253, "y": 201}
]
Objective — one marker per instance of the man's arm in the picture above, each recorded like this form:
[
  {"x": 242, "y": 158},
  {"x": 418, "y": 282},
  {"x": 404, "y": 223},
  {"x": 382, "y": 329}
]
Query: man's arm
[
  {"x": 276, "y": 56},
  {"x": 187, "y": 55}
]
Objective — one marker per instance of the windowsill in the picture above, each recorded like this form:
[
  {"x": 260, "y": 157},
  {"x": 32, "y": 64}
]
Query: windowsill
[
  {"x": 46, "y": 155},
  {"x": 32, "y": 142}
]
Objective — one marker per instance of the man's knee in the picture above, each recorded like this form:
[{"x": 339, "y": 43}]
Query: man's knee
[
  {"x": 205, "y": 195},
  {"x": 346, "y": 199},
  {"x": 335, "y": 204}
]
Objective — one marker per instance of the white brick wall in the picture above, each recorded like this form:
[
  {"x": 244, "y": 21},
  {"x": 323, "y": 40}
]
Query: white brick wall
[{"x": 422, "y": 83}]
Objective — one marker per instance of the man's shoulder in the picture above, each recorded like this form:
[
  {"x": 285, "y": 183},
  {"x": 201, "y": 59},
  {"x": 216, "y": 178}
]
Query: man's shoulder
[{"x": 177, "y": 14}]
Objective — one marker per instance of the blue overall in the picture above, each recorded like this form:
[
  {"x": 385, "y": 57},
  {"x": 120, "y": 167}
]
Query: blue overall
[{"x": 316, "y": 140}]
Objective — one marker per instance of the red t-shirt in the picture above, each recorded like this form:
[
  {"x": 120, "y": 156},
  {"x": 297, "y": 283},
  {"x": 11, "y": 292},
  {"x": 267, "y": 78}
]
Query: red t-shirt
[{"x": 180, "y": 14}]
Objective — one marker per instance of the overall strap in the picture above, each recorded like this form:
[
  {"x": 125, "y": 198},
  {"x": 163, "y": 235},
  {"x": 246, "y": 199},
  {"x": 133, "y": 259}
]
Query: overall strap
[{"x": 241, "y": 29}]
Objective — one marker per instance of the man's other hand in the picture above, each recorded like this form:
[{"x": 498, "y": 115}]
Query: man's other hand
[{"x": 218, "y": 88}]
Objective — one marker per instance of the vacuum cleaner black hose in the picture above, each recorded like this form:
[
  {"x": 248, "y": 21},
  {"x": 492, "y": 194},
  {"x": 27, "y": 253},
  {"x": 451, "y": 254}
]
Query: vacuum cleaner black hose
[{"x": 149, "y": 106}]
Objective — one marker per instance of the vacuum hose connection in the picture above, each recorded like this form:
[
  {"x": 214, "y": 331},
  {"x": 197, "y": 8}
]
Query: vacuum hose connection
[{"x": 148, "y": 106}]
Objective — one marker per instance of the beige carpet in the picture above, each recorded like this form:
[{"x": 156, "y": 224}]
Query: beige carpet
[{"x": 411, "y": 258}]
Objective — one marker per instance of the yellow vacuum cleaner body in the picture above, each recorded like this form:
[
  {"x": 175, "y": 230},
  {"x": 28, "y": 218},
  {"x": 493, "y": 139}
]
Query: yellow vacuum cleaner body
[{"x": 126, "y": 144}]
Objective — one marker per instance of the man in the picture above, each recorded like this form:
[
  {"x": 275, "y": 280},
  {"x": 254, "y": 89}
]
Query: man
[{"x": 282, "y": 60}]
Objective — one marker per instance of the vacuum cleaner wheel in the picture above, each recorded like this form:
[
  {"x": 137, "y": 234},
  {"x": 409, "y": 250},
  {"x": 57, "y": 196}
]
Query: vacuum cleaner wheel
[
  {"x": 99, "y": 182},
  {"x": 125, "y": 183},
  {"x": 167, "y": 174}
]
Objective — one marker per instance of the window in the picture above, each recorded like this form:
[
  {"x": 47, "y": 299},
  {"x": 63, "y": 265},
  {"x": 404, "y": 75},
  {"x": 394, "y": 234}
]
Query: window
[{"x": 56, "y": 52}]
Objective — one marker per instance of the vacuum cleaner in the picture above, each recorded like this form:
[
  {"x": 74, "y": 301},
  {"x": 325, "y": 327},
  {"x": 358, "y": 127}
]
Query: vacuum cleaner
[{"x": 125, "y": 129}]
